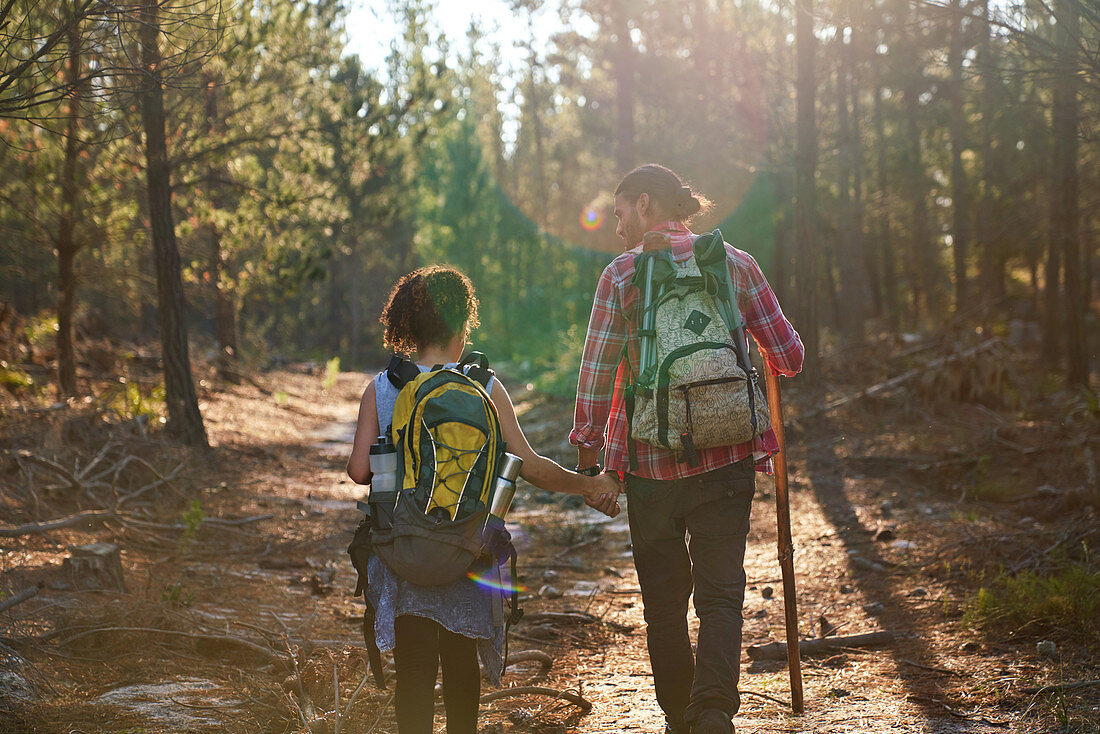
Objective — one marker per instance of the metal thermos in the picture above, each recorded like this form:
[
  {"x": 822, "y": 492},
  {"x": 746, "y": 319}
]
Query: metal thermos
[
  {"x": 504, "y": 489},
  {"x": 383, "y": 485}
]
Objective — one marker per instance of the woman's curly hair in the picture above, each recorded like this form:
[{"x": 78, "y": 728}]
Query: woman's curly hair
[{"x": 429, "y": 307}]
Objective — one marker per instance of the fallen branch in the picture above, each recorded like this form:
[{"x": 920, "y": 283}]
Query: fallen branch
[
  {"x": 160, "y": 479},
  {"x": 19, "y": 598},
  {"x": 63, "y": 522},
  {"x": 526, "y": 656},
  {"x": 53, "y": 466},
  {"x": 355, "y": 695},
  {"x": 765, "y": 696},
  {"x": 1059, "y": 687},
  {"x": 887, "y": 385},
  {"x": 778, "y": 650},
  {"x": 569, "y": 696},
  {"x": 577, "y": 546},
  {"x": 238, "y": 522},
  {"x": 579, "y": 617}
]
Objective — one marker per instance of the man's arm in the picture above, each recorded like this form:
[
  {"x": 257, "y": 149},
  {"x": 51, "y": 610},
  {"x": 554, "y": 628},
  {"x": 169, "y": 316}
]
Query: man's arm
[
  {"x": 779, "y": 343},
  {"x": 603, "y": 350}
]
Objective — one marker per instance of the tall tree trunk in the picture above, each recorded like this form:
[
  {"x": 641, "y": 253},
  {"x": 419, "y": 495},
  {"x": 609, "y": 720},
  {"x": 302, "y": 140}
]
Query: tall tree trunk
[
  {"x": 869, "y": 284},
  {"x": 850, "y": 259},
  {"x": 960, "y": 195},
  {"x": 184, "y": 419},
  {"x": 805, "y": 198},
  {"x": 993, "y": 260},
  {"x": 885, "y": 242},
  {"x": 67, "y": 246},
  {"x": 1052, "y": 288},
  {"x": 780, "y": 277},
  {"x": 1065, "y": 227},
  {"x": 225, "y": 312},
  {"x": 922, "y": 256}
]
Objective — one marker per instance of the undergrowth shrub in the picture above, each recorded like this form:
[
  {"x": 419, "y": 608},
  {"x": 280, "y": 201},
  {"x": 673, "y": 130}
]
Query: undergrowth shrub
[{"x": 1033, "y": 603}]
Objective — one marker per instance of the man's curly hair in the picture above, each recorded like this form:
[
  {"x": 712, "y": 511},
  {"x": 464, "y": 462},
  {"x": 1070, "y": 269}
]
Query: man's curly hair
[{"x": 429, "y": 307}]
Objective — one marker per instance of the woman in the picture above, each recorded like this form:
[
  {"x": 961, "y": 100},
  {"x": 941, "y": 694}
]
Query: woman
[{"x": 429, "y": 315}]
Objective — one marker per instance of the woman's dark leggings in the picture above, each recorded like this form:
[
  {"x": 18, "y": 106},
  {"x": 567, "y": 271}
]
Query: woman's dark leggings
[{"x": 421, "y": 645}]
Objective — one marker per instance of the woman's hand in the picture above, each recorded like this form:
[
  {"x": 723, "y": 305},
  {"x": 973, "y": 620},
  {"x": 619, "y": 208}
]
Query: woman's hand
[{"x": 602, "y": 493}]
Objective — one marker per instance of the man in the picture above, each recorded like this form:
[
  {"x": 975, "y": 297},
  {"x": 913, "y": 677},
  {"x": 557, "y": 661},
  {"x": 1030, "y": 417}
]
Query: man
[{"x": 667, "y": 499}]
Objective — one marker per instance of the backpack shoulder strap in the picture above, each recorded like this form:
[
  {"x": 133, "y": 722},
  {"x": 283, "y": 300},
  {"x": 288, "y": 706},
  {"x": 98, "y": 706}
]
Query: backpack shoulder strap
[
  {"x": 401, "y": 372},
  {"x": 710, "y": 255},
  {"x": 475, "y": 365}
]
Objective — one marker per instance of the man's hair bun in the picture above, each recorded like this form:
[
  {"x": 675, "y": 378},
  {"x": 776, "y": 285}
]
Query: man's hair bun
[{"x": 665, "y": 187}]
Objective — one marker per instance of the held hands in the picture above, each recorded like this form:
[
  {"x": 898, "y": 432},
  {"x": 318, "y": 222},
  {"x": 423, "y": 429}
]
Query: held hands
[{"x": 604, "y": 493}]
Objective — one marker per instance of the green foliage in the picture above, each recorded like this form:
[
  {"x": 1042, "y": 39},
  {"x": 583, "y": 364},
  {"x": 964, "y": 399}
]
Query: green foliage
[
  {"x": 1034, "y": 603},
  {"x": 41, "y": 329},
  {"x": 560, "y": 378},
  {"x": 14, "y": 378},
  {"x": 128, "y": 400},
  {"x": 174, "y": 594},
  {"x": 305, "y": 183},
  {"x": 193, "y": 518},
  {"x": 332, "y": 373}
]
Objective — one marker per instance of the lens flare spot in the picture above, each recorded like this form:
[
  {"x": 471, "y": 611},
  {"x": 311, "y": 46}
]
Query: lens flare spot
[
  {"x": 488, "y": 580},
  {"x": 591, "y": 219}
]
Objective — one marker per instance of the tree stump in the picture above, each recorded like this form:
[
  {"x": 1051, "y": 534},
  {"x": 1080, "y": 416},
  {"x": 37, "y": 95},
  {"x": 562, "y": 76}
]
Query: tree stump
[{"x": 95, "y": 566}]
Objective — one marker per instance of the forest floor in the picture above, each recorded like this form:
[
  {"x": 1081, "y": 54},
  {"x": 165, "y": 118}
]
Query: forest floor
[{"x": 238, "y": 612}]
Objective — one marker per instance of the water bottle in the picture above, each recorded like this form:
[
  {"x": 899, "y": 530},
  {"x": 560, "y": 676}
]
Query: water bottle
[
  {"x": 383, "y": 485},
  {"x": 504, "y": 488}
]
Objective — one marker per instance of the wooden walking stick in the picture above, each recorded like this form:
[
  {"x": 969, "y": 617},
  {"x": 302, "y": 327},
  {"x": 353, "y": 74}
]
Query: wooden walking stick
[{"x": 786, "y": 547}]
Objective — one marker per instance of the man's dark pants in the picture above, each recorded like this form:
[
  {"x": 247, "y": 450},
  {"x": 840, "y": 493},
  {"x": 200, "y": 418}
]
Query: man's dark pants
[{"x": 713, "y": 510}]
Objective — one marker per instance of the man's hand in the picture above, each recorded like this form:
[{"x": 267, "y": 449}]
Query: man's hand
[{"x": 606, "y": 498}]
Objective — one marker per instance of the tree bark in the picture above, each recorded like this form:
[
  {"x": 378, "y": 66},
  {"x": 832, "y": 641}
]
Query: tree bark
[
  {"x": 869, "y": 282},
  {"x": 67, "y": 246},
  {"x": 960, "y": 196},
  {"x": 184, "y": 419},
  {"x": 1065, "y": 225},
  {"x": 225, "y": 311},
  {"x": 922, "y": 256},
  {"x": 993, "y": 260},
  {"x": 851, "y": 296},
  {"x": 805, "y": 198},
  {"x": 885, "y": 242}
]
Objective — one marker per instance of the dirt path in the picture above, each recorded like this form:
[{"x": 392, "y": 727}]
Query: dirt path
[{"x": 871, "y": 549}]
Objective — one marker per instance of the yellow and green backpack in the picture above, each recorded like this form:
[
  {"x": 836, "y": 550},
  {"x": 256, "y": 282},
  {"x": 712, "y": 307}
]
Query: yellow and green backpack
[{"x": 449, "y": 447}]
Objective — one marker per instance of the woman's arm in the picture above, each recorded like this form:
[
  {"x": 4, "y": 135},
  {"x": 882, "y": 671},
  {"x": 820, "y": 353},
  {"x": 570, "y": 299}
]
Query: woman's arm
[
  {"x": 366, "y": 433},
  {"x": 539, "y": 470}
]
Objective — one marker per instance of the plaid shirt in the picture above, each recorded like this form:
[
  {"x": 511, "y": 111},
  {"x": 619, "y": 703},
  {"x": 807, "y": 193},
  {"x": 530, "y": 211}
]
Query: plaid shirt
[{"x": 611, "y": 330}]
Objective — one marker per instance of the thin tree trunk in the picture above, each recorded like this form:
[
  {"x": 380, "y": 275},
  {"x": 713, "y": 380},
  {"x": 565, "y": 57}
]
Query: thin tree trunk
[
  {"x": 870, "y": 283},
  {"x": 1052, "y": 292},
  {"x": 885, "y": 243},
  {"x": 993, "y": 261},
  {"x": 225, "y": 312},
  {"x": 780, "y": 279},
  {"x": 67, "y": 246},
  {"x": 851, "y": 315},
  {"x": 960, "y": 195},
  {"x": 922, "y": 256},
  {"x": 184, "y": 419},
  {"x": 805, "y": 198},
  {"x": 1065, "y": 227}
]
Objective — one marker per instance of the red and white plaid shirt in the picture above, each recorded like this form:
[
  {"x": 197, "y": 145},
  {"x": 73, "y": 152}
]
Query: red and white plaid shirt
[{"x": 611, "y": 330}]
